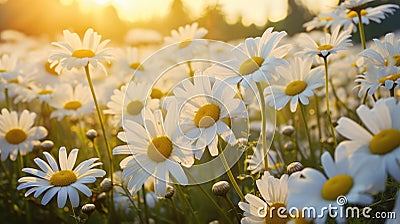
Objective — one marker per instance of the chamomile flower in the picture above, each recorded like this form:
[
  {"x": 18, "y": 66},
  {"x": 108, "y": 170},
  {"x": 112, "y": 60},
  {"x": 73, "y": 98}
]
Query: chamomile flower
[
  {"x": 74, "y": 53},
  {"x": 345, "y": 177},
  {"x": 355, "y": 4},
  {"x": 255, "y": 59},
  {"x": 185, "y": 35},
  {"x": 383, "y": 53},
  {"x": 296, "y": 82},
  {"x": 63, "y": 180},
  {"x": 376, "y": 77},
  {"x": 325, "y": 20},
  {"x": 8, "y": 68},
  {"x": 205, "y": 104},
  {"x": 128, "y": 103},
  {"x": 274, "y": 192},
  {"x": 380, "y": 141},
  {"x": 256, "y": 161},
  {"x": 349, "y": 18},
  {"x": 71, "y": 101},
  {"x": 17, "y": 133},
  {"x": 331, "y": 43},
  {"x": 153, "y": 151}
]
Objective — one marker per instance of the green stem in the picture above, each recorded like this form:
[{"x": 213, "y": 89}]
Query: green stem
[
  {"x": 233, "y": 207},
  {"x": 4, "y": 169},
  {"x": 303, "y": 115},
  {"x": 175, "y": 210},
  {"x": 208, "y": 196},
  {"x": 328, "y": 111},
  {"x": 185, "y": 201},
  {"x": 7, "y": 98},
  {"x": 263, "y": 127},
  {"x": 132, "y": 202},
  {"x": 318, "y": 117},
  {"x": 230, "y": 174},
  {"x": 338, "y": 99},
  {"x": 20, "y": 164},
  {"x": 73, "y": 214},
  {"x": 103, "y": 129},
  {"x": 146, "y": 210},
  {"x": 361, "y": 30}
]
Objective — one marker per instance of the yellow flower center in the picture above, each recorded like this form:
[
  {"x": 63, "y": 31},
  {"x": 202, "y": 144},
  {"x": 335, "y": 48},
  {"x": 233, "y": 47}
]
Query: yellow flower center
[
  {"x": 14, "y": 81},
  {"x": 156, "y": 93},
  {"x": 353, "y": 14},
  {"x": 45, "y": 91},
  {"x": 274, "y": 214},
  {"x": 136, "y": 66},
  {"x": 159, "y": 149},
  {"x": 325, "y": 19},
  {"x": 83, "y": 53},
  {"x": 63, "y": 178},
  {"x": 396, "y": 57},
  {"x": 50, "y": 70},
  {"x": 207, "y": 115},
  {"x": 385, "y": 141},
  {"x": 185, "y": 43},
  {"x": 16, "y": 136},
  {"x": 392, "y": 77},
  {"x": 72, "y": 105},
  {"x": 134, "y": 107},
  {"x": 251, "y": 65},
  {"x": 325, "y": 47},
  {"x": 336, "y": 186},
  {"x": 295, "y": 87}
]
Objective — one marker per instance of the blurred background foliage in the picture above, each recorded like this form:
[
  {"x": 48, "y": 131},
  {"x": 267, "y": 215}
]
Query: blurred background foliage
[{"x": 113, "y": 18}]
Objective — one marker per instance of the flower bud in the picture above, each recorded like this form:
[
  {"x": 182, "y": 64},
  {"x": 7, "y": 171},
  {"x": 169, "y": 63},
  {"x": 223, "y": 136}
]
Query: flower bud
[
  {"x": 288, "y": 146},
  {"x": 294, "y": 167},
  {"x": 221, "y": 188},
  {"x": 88, "y": 208},
  {"x": 287, "y": 130},
  {"x": 91, "y": 134},
  {"x": 170, "y": 192},
  {"x": 106, "y": 185},
  {"x": 47, "y": 145}
]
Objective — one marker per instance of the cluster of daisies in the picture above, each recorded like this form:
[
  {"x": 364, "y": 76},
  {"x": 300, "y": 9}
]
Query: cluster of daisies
[{"x": 178, "y": 107}]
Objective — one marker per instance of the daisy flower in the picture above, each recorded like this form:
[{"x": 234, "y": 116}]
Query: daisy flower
[
  {"x": 185, "y": 36},
  {"x": 296, "y": 82},
  {"x": 153, "y": 151},
  {"x": 72, "y": 102},
  {"x": 75, "y": 53},
  {"x": 17, "y": 133},
  {"x": 274, "y": 192},
  {"x": 310, "y": 188},
  {"x": 63, "y": 180},
  {"x": 355, "y": 4},
  {"x": 329, "y": 44},
  {"x": 380, "y": 141},
  {"x": 128, "y": 103},
  {"x": 376, "y": 77},
  {"x": 383, "y": 53},
  {"x": 349, "y": 18},
  {"x": 256, "y": 161},
  {"x": 204, "y": 106},
  {"x": 325, "y": 20},
  {"x": 8, "y": 67},
  {"x": 255, "y": 59}
]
